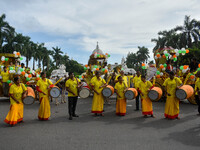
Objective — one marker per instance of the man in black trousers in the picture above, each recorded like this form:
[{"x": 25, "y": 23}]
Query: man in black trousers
[
  {"x": 72, "y": 86},
  {"x": 136, "y": 80}
]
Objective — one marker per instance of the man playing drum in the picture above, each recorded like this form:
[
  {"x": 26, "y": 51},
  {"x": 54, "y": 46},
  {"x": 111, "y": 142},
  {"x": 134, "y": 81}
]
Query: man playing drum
[
  {"x": 123, "y": 77},
  {"x": 72, "y": 86}
]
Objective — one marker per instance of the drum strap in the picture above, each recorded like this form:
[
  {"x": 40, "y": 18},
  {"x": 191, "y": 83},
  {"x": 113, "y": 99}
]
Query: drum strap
[
  {"x": 77, "y": 85},
  {"x": 22, "y": 87}
]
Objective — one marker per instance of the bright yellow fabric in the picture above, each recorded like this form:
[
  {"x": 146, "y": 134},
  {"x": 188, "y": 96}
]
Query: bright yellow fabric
[
  {"x": 121, "y": 107},
  {"x": 136, "y": 80},
  {"x": 45, "y": 111},
  {"x": 124, "y": 78},
  {"x": 129, "y": 80},
  {"x": 97, "y": 83},
  {"x": 180, "y": 73},
  {"x": 72, "y": 85},
  {"x": 97, "y": 103},
  {"x": 15, "y": 114},
  {"x": 197, "y": 85},
  {"x": 144, "y": 87},
  {"x": 188, "y": 80},
  {"x": 147, "y": 108},
  {"x": 17, "y": 92},
  {"x": 120, "y": 90},
  {"x": 43, "y": 86},
  {"x": 171, "y": 107},
  {"x": 98, "y": 100},
  {"x": 5, "y": 76},
  {"x": 171, "y": 85}
]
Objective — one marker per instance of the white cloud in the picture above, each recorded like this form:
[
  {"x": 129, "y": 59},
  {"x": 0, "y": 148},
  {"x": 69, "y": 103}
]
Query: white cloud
[{"x": 119, "y": 26}]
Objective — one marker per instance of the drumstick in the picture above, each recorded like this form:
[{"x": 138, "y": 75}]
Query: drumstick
[{"x": 58, "y": 81}]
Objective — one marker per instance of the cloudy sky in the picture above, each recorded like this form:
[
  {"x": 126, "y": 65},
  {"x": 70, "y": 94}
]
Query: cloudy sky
[{"x": 120, "y": 26}]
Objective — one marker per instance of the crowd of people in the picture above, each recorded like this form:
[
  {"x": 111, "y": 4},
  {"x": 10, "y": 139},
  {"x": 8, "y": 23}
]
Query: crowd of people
[{"x": 97, "y": 82}]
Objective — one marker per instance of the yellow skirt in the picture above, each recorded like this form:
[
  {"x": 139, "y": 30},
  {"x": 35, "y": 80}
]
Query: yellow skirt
[
  {"x": 147, "y": 108},
  {"x": 172, "y": 108},
  {"x": 15, "y": 114},
  {"x": 97, "y": 103},
  {"x": 121, "y": 107},
  {"x": 44, "y": 111}
]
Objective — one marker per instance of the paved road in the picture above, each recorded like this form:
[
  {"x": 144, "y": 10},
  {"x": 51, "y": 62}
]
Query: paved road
[{"x": 101, "y": 133}]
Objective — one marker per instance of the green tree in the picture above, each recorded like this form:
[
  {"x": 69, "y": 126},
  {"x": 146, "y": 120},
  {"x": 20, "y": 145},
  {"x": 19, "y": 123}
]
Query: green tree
[
  {"x": 142, "y": 54},
  {"x": 57, "y": 55},
  {"x": 131, "y": 60},
  {"x": 189, "y": 32},
  {"x": 6, "y": 33}
]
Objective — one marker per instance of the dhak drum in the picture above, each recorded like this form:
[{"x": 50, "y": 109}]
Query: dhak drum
[
  {"x": 108, "y": 91},
  {"x": 84, "y": 91},
  {"x": 155, "y": 94},
  {"x": 55, "y": 92},
  {"x": 184, "y": 92},
  {"x": 30, "y": 99},
  {"x": 131, "y": 93}
]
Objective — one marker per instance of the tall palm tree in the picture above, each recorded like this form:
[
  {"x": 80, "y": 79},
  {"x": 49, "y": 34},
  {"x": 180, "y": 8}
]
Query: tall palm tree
[
  {"x": 167, "y": 38},
  {"x": 143, "y": 54},
  {"x": 5, "y": 31},
  {"x": 189, "y": 32},
  {"x": 40, "y": 54},
  {"x": 57, "y": 54}
]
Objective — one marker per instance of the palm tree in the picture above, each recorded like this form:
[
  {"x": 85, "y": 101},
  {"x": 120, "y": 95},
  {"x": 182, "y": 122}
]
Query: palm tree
[
  {"x": 39, "y": 54},
  {"x": 143, "y": 54},
  {"x": 189, "y": 32},
  {"x": 5, "y": 32},
  {"x": 57, "y": 55},
  {"x": 166, "y": 39}
]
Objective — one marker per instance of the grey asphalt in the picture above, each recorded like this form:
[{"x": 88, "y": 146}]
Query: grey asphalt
[{"x": 101, "y": 133}]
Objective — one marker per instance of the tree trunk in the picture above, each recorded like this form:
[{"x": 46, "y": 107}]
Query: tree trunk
[
  {"x": 26, "y": 62},
  {"x": 39, "y": 63},
  {"x": 33, "y": 64},
  {"x": 43, "y": 65},
  {"x": 56, "y": 63}
]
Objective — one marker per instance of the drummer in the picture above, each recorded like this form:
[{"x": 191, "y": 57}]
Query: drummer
[
  {"x": 144, "y": 88},
  {"x": 17, "y": 93},
  {"x": 172, "y": 103},
  {"x": 43, "y": 86},
  {"x": 5, "y": 77},
  {"x": 197, "y": 91},
  {"x": 136, "y": 80},
  {"x": 72, "y": 86},
  {"x": 123, "y": 76},
  {"x": 97, "y": 84},
  {"x": 120, "y": 88}
]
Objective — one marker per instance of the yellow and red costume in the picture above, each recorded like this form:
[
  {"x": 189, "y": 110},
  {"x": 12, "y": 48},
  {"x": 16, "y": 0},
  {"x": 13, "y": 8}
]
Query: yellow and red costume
[
  {"x": 121, "y": 101},
  {"x": 44, "y": 110},
  {"x": 172, "y": 103},
  {"x": 15, "y": 113}
]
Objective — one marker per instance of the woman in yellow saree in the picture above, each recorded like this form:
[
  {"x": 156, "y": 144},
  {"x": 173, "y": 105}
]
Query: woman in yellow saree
[
  {"x": 43, "y": 86},
  {"x": 172, "y": 103},
  {"x": 144, "y": 87},
  {"x": 120, "y": 88},
  {"x": 97, "y": 84},
  {"x": 17, "y": 93}
]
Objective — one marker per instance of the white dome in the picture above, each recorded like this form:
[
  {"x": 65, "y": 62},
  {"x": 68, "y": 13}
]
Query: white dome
[{"x": 97, "y": 50}]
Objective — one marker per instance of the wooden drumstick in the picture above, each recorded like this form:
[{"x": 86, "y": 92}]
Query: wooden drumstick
[{"x": 58, "y": 81}]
